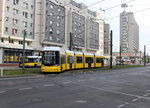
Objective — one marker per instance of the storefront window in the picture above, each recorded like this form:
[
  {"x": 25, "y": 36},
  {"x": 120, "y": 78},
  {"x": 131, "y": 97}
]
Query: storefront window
[{"x": 13, "y": 55}]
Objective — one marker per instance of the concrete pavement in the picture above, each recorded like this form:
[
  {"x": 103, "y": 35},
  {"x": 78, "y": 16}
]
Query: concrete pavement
[{"x": 122, "y": 88}]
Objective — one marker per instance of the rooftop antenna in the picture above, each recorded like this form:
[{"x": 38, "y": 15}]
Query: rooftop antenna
[{"x": 124, "y": 6}]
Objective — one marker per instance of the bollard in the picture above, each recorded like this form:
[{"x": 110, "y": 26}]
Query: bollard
[{"x": 1, "y": 72}]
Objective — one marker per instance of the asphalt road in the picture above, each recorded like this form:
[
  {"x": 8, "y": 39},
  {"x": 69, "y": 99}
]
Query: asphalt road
[{"x": 124, "y": 88}]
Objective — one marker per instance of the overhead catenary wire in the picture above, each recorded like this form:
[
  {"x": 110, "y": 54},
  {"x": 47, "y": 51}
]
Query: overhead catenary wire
[
  {"x": 118, "y": 5},
  {"x": 133, "y": 12}
]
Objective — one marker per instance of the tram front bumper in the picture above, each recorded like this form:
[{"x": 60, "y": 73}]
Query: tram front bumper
[{"x": 50, "y": 69}]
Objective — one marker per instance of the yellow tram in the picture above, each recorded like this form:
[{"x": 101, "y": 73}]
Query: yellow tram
[{"x": 56, "y": 59}]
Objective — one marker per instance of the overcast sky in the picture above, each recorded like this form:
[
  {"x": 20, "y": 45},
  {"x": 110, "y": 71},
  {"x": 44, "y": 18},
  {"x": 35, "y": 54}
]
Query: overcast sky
[{"x": 140, "y": 8}]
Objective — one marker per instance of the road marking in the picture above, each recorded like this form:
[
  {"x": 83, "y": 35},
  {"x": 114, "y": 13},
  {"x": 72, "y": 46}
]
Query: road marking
[
  {"x": 2, "y": 91},
  {"x": 111, "y": 91},
  {"x": 66, "y": 82},
  {"x": 46, "y": 85},
  {"x": 146, "y": 95},
  {"x": 81, "y": 101},
  {"x": 28, "y": 88},
  {"x": 134, "y": 100},
  {"x": 126, "y": 103},
  {"x": 122, "y": 105},
  {"x": 92, "y": 79},
  {"x": 80, "y": 80}
]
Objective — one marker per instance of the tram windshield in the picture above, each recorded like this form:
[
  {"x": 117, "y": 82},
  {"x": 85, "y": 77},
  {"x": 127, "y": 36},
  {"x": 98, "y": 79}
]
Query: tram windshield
[{"x": 51, "y": 58}]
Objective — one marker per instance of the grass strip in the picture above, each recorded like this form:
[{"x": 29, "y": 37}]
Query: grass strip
[
  {"x": 106, "y": 68},
  {"x": 36, "y": 71},
  {"x": 21, "y": 72}
]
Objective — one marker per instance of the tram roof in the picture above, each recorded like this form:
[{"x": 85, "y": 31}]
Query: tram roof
[
  {"x": 88, "y": 54},
  {"x": 98, "y": 55},
  {"x": 34, "y": 56},
  {"x": 52, "y": 49},
  {"x": 67, "y": 51},
  {"x": 79, "y": 53}
]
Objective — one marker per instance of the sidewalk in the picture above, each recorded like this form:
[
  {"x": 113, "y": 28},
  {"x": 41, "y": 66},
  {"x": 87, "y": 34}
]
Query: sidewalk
[{"x": 9, "y": 66}]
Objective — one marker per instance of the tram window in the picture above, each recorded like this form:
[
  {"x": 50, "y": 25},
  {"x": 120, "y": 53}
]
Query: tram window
[
  {"x": 70, "y": 59},
  {"x": 99, "y": 60},
  {"x": 51, "y": 58},
  {"x": 63, "y": 59},
  {"x": 89, "y": 60},
  {"x": 79, "y": 59}
]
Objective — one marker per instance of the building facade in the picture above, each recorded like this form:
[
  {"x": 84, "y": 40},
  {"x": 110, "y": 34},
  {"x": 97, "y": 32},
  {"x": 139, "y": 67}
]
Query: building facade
[
  {"x": 106, "y": 40},
  {"x": 62, "y": 23},
  {"x": 129, "y": 33},
  {"x": 16, "y": 21}
]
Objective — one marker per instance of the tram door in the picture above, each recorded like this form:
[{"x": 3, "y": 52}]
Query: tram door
[
  {"x": 71, "y": 66},
  {"x": 71, "y": 61},
  {"x": 89, "y": 65},
  {"x": 89, "y": 61}
]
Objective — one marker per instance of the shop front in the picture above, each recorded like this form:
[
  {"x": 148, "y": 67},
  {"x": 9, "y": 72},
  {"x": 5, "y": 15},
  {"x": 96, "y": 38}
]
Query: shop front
[{"x": 14, "y": 55}]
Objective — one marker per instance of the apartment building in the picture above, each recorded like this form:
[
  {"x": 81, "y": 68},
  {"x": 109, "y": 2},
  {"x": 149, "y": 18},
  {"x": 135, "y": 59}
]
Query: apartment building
[
  {"x": 62, "y": 23},
  {"x": 16, "y": 21},
  {"x": 106, "y": 39},
  {"x": 129, "y": 33}
]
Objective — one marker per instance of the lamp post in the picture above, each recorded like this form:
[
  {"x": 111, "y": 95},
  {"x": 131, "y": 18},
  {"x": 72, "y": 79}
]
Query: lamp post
[
  {"x": 24, "y": 35},
  {"x": 70, "y": 48},
  {"x": 111, "y": 33},
  {"x": 144, "y": 55}
]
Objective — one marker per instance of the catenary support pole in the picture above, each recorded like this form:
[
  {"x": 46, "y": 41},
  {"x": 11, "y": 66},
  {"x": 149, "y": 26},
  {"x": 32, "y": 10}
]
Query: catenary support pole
[
  {"x": 111, "y": 41},
  {"x": 144, "y": 55},
  {"x": 24, "y": 49}
]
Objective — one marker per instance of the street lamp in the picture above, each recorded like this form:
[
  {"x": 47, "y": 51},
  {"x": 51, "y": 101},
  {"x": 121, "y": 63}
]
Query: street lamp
[{"x": 24, "y": 35}]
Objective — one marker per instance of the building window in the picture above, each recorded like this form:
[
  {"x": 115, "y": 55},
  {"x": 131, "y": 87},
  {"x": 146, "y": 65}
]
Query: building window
[
  {"x": 14, "y": 31},
  {"x": 57, "y": 31},
  {"x": 6, "y": 29},
  {"x": 51, "y": 6},
  {"x": 75, "y": 29},
  {"x": 25, "y": 5},
  {"x": 15, "y": 2},
  {"x": 2, "y": 40},
  {"x": 28, "y": 43},
  {"x": 31, "y": 24},
  {"x": 51, "y": 14},
  {"x": 58, "y": 10},
  {"x": 58, "y": 24},
  {"x": 31, "y": 15},
  {"x": 15, "y": 11},
  {"x": 31, "y": 6},
  {"x": 50, "y": 31},
  {"x": 15, "y": 21},
  {"x": 7, "y": 9},
  {"x": 58, "y": 17},
  {"x": 7, "y": 18},
  {"x": 21, "y": 42},
  {"x": 51, "y": 22},
  {"x": 25, "y": 14},
  {"x": 11, "y": 41},
  {"x": 46, "y": 12},
  {"x": 50, "y": 38},
  {"x": 25, "y": 24},
  {"x": 31, "y": 33}
]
